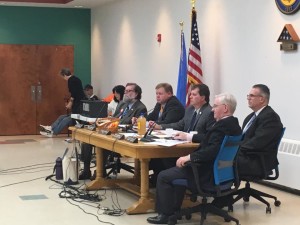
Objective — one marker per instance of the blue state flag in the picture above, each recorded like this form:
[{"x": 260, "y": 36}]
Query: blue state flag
[{"x": 182, "y": 75}]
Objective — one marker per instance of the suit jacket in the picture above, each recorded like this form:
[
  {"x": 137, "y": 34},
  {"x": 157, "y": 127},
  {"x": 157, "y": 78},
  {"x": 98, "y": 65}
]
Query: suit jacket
[
  {"x": 204, "y": 121},
  {"x": 136, "y": 110},
  {"x": 210, "y": 146},
  {"x": 262, "y": 136},
  {"x": 173, "y": 112}
]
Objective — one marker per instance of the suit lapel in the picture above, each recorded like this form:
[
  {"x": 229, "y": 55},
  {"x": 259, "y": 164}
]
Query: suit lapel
[
  {"x": 132, "y": 109},
  {"x": 247, "y": 119}
]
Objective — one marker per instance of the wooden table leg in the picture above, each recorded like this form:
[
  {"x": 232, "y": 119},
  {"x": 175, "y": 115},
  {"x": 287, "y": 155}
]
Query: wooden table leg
[
  {"x": 137, "y": 172},
  {"x": 100, "y": 182},
  {"x": 145, "y": 203}
]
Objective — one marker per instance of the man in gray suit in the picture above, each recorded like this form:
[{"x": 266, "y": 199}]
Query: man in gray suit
[
  {"x": 198, "y": 117},
  {"x": 131, "y": 106}
]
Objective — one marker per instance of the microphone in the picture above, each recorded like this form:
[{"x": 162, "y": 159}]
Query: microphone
[
  {"x": 93, "y": 126},
  {"x": 147, "y": 138},
  {"x": 152, "y": 136}
]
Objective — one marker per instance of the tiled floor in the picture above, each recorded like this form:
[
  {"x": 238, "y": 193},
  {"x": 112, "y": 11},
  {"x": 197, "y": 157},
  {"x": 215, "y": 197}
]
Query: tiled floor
[{"x": 27, "y": 198}]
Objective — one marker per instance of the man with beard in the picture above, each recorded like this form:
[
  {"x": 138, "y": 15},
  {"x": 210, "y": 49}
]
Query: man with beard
[{"x": 131, "y": 106}]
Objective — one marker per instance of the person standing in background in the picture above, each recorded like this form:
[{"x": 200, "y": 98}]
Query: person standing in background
[{"x": 73, "y": 105}]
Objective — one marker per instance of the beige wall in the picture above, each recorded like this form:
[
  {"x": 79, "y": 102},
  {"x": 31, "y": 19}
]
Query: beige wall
[{"x": 238, "y": 41}]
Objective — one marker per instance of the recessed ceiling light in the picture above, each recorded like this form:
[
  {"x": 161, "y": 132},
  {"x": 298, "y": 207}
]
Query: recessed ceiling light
[{"x": 78, "y": 6}]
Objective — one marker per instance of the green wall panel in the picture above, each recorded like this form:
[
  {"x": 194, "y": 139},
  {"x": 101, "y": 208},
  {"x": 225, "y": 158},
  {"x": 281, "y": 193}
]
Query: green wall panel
[{"x": 50, "y": 26}]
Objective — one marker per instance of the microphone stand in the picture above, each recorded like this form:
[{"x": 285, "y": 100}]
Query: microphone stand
[{"x": 147, "y": 138}]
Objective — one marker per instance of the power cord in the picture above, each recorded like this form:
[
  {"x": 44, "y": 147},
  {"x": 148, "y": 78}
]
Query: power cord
[
  {"x": 76, "y": 193},
  {"x": 21, "y": 182},
  {"x": 24, "y": 168}
]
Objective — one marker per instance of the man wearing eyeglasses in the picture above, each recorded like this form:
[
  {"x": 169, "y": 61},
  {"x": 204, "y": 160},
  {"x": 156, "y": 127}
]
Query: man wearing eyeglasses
[
  {"x": 262, "y": 129},
  {"x": 130, "y": 106},
  {"x": 168, "y": 197}
]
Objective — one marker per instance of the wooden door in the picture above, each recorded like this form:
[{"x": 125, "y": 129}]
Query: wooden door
[
  {"x": 24, "y": 70},
  {"x": 54, "y": 88}
]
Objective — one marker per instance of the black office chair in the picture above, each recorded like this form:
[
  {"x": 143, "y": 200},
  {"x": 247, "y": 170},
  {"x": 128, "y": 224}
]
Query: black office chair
[
  {"x": 248, "y": 192},
  {"x": 115, "y": 165},
  {"x": 112, "y": 161},
  {"x": 226, "y": 182}
]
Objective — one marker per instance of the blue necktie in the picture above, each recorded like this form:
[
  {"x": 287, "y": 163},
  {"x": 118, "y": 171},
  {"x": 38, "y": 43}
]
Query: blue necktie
[
  {"x": 125, "y": 112},
  {"x": 192, "y": 124},
  {"x": 249, "y": 123}
]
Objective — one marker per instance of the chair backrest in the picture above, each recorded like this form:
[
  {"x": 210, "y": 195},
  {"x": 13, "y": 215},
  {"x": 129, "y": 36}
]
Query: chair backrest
[
  {"x": 281, "y": 136},
  {"x": 275, "y": 173},
  {"x": 224, "y": 166}
]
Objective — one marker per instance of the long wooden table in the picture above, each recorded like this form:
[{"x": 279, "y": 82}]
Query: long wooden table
[{"x": 141, "y": 152}]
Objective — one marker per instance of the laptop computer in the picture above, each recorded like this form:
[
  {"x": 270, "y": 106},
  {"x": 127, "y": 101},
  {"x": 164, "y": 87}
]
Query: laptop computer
[{"x": 93, "y": 109}]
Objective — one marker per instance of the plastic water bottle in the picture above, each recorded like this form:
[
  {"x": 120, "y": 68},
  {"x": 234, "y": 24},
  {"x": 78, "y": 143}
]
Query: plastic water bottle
[
  {"x": 58, "y": 169},
  {"x": 141, "y": 125}
]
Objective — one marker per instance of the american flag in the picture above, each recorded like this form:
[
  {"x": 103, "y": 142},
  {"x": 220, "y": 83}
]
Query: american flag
[{"x": 194, "y": 74}]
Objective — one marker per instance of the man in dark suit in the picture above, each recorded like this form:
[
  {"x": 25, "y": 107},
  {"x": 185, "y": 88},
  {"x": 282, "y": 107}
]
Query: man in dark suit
[
  {"x": 199, "y": 105},
  {"x": 131, "y": 106},
  {"x": 169, "y": 198},
  {"x": 168, "y": 108},
  {"x": 262, "y": 130},
  {"x": 200, "y": 109}
]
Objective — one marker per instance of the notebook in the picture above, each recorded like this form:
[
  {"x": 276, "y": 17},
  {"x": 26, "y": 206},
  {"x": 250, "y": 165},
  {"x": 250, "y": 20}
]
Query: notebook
[{"x": 93, "y": 109}]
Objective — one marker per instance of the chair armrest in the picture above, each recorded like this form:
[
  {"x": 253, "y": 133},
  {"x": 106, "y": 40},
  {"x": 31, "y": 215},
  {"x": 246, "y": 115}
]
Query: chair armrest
[{"x": 194, "y": 167}]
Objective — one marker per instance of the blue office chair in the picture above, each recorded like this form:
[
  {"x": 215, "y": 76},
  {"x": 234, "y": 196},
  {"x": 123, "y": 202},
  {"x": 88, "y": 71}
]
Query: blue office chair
[
  {"x": 248, "y": 192},
  {"x": 226, "y": 182}
]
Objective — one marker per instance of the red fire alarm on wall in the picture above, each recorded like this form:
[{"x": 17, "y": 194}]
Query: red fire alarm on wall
[{"x": 159, "y": 38}]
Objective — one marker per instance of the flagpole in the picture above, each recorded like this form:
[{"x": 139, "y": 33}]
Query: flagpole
[
  {"x": 194, "y": 74},
  {"x": 193, "y": 3},
  {"x": 181, "y": 25}
]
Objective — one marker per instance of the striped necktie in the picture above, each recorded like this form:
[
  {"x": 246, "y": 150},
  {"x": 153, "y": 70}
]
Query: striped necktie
[
  {"x": 249, "y": 123},
  {"x": 192, "y": 123}
]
